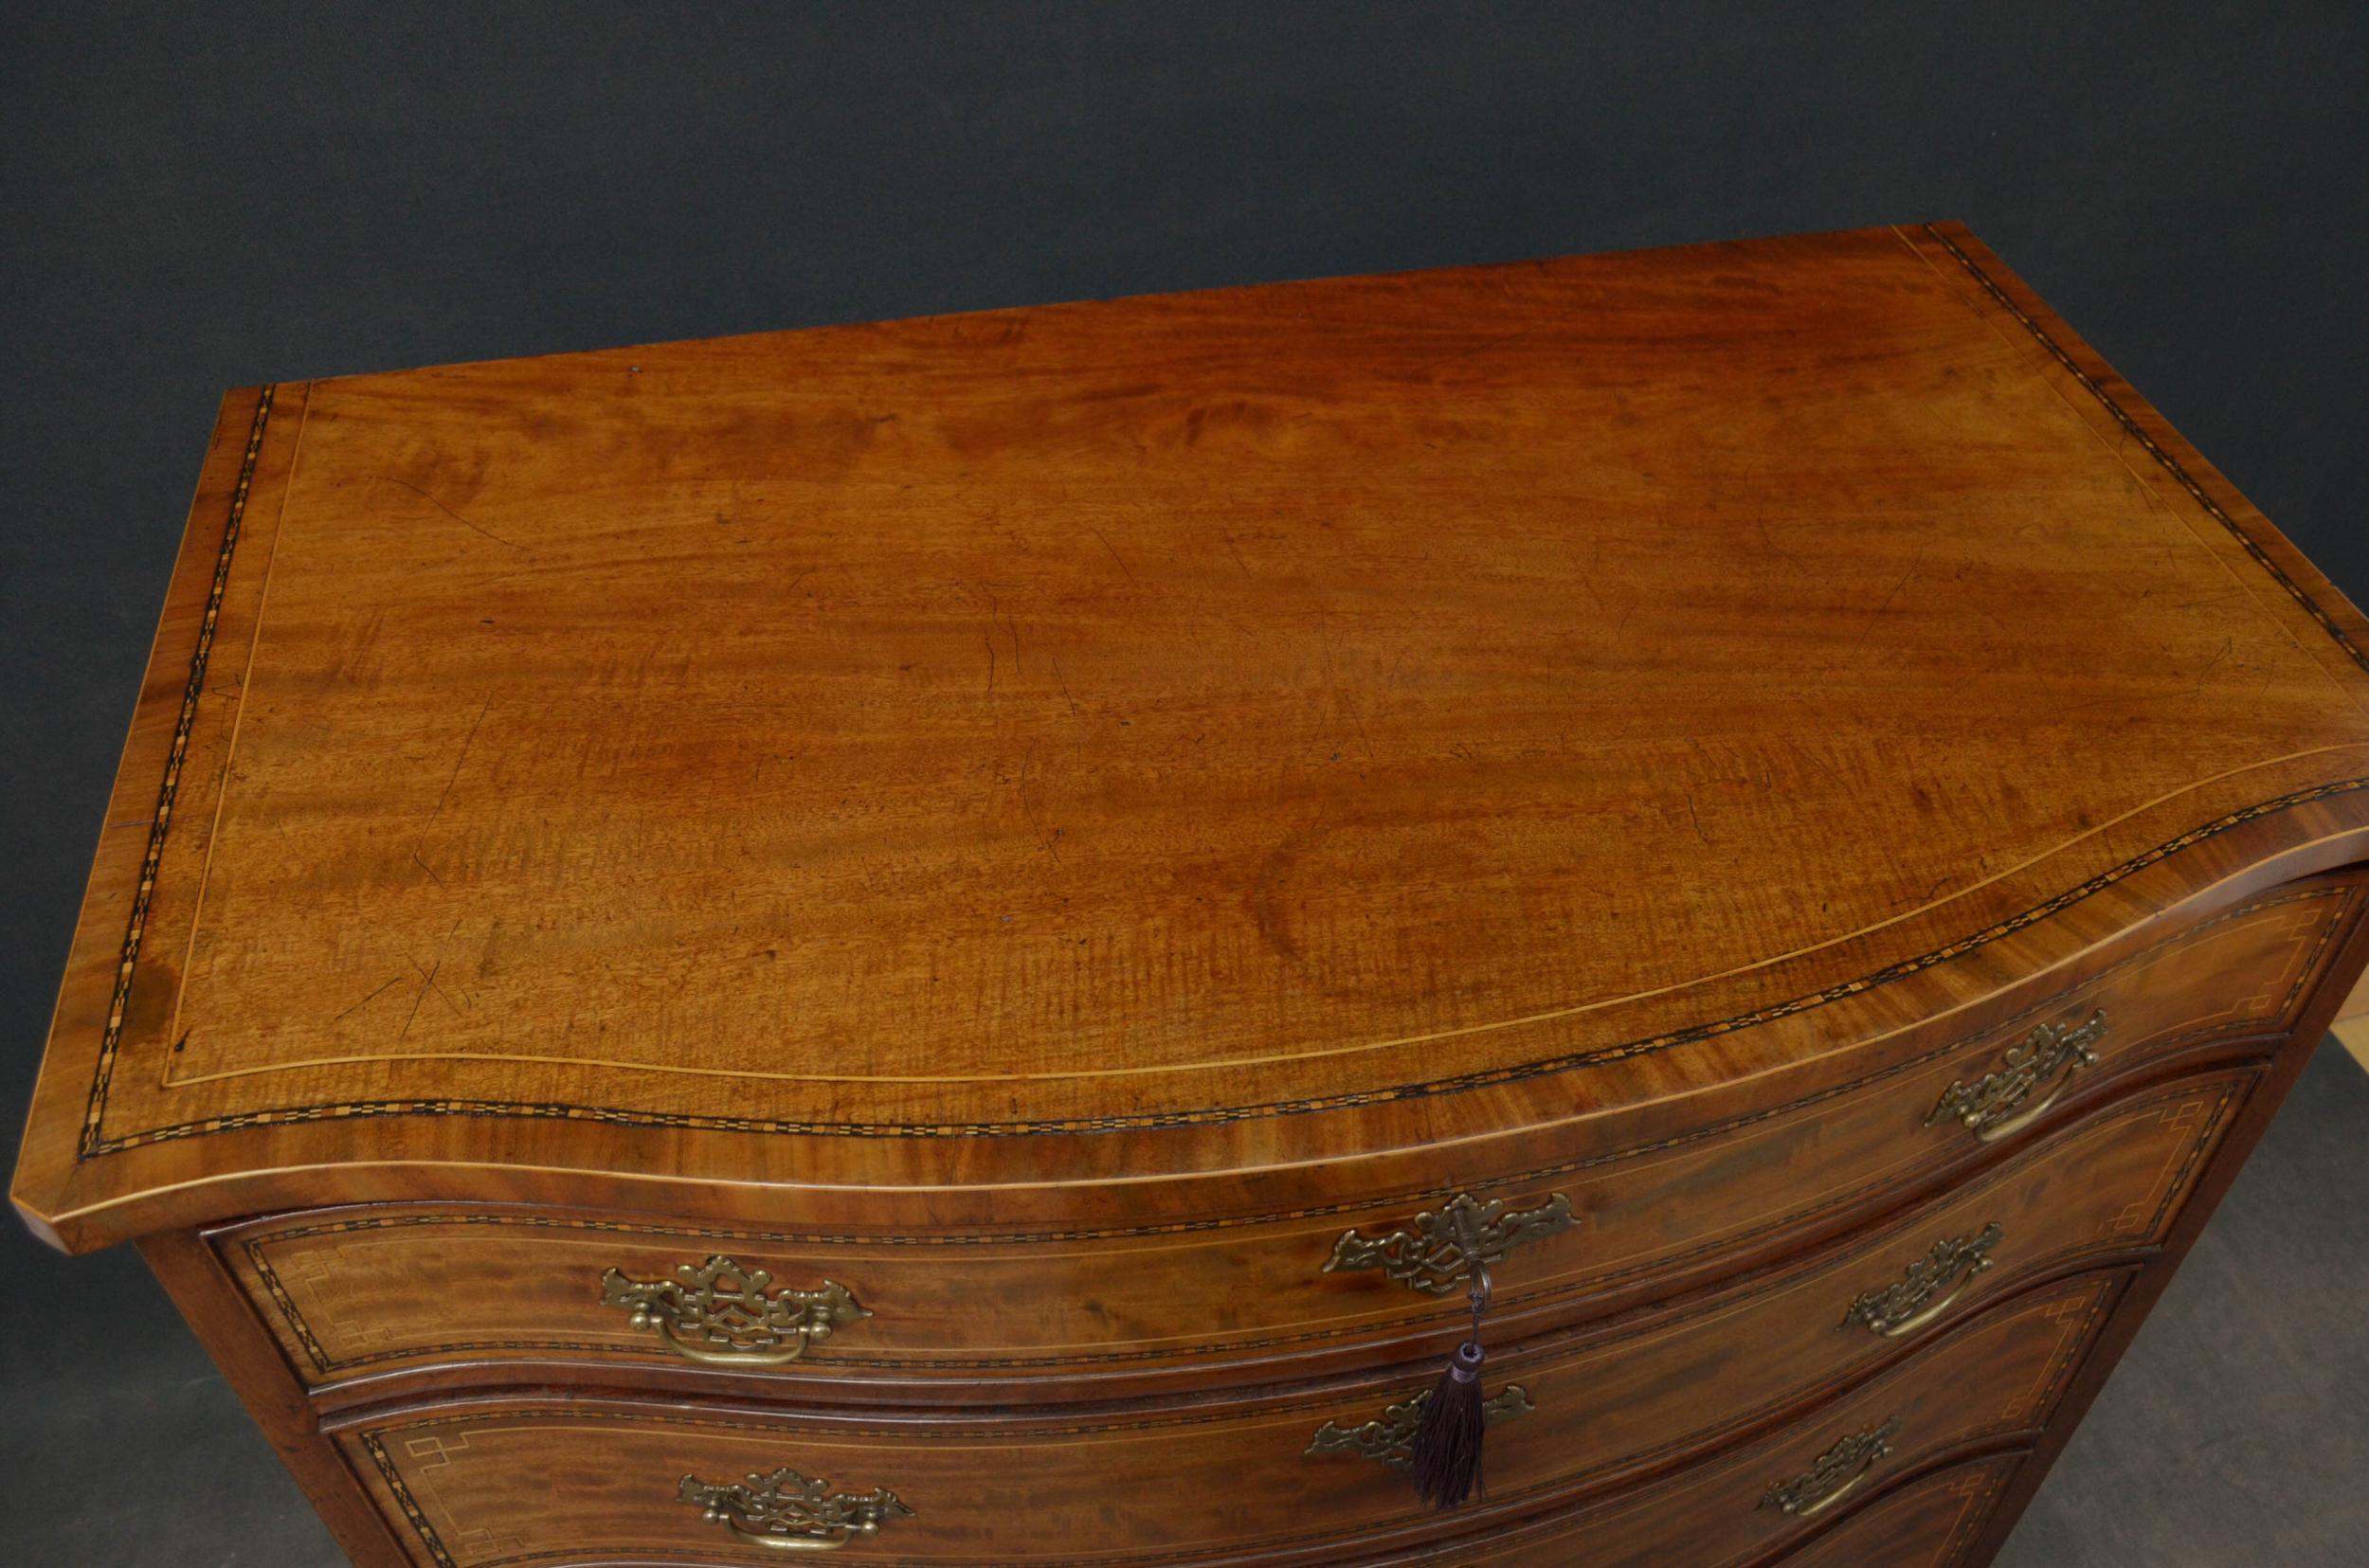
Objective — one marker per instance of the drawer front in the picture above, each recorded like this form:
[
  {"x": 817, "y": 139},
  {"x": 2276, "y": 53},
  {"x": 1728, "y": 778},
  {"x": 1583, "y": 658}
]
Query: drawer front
[
  {"x": 1681, "y": 1380},
  {"x": 1927, "y": 1523},
  {"x": 537, "y": 1480},
  {"x": 353, "y": 1293}
]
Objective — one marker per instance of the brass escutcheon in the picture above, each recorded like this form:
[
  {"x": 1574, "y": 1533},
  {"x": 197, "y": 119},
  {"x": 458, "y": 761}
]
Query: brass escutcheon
[{"x": 1439, "y": 1255}]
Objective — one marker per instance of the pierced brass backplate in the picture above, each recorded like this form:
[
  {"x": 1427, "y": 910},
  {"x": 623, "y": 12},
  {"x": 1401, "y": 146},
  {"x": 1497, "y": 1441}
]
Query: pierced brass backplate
[
  {"x": 789, "y": 1512},
  {"x": 1995, "y": 1104},
  {"x": 720, "y": 1313},
  {"x": 1389, "y": 1438},
  {"x": 1930, "y": 1285},
  {"x": 1837, "y": 1471},
  {"x": 1441, "y": 1253}
]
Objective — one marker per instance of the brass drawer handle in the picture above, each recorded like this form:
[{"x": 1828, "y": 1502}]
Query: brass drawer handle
[
  {"x": 719, "y": 1314},
  {"x": 1440, "y": 1255},
  {"x": 1935, "y": 1280},
  {"x": 1837, "y": 1471},
  {"x": 1389, "y": 1438},
  {"x": 1993, "y": 1107},
  {"x": 787, "y": 1512}
]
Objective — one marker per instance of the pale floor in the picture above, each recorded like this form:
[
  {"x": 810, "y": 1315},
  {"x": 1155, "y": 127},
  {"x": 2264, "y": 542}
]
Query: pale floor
[{"x": 2355, "y": 1033}]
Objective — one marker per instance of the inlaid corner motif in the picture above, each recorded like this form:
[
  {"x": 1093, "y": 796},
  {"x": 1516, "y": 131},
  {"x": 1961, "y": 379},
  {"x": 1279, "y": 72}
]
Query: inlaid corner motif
[{"x": 723, "y": 1315}]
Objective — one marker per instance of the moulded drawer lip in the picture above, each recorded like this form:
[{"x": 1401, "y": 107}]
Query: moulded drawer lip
[
  {"x": 1344, "y": 1505},
  {"x": 1999, "y": 1455}
]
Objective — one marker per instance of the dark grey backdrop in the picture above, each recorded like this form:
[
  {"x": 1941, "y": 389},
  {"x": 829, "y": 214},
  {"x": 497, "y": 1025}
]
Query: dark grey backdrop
[{"x": 252, "y": 193}]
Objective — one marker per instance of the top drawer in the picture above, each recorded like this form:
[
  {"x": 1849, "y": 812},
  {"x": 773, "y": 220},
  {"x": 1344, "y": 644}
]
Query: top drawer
[{"x": 361, "y": 1292}]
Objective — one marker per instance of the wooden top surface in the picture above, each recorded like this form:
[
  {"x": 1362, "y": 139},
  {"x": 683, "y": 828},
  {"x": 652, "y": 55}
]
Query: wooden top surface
[{"x": 1164, "y": 721}]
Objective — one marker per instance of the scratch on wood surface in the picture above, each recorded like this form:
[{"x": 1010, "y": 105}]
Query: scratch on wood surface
[
  {"x": 367, "y": 1000},
  {"x": 1868, "y": 630},
  {"x": 466, "y": 742},
  {"x": 1127, "y": 571},
  {"x": 1049, "y": 842},
  {"x": 448, "y": 511},
  {"x": 1235, "y": 549},
  {"x": 2229, "y": 646},
  {"x": 1344, "y": 704},
  {"x": 426, "y": 981}
]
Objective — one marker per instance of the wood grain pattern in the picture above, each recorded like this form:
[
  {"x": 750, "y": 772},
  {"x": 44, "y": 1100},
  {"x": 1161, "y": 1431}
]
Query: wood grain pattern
[
  {"x": 527, "y": 1480},
  {"x": 1048, "y": 817},
  {"x": 947, "y": 742}
]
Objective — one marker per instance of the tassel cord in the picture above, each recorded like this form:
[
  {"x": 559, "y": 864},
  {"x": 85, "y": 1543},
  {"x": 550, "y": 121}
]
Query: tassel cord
[{"x": 1446, "y": 1456}]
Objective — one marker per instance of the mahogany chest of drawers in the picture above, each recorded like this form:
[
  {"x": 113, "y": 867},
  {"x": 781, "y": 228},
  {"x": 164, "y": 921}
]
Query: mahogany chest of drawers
[{"x": 983, "y": 941}]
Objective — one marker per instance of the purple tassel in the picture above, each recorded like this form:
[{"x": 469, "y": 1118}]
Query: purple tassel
[{"x": 1447, "y": 1453}]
